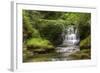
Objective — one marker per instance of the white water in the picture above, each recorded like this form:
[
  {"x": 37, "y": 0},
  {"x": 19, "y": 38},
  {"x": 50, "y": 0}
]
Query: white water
[{"x": 70, "y": 41}]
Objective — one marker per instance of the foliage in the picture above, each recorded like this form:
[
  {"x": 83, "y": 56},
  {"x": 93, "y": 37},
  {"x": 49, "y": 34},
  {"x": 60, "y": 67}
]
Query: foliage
[
  {"x": 52, "y": 31},
  {"x": 28, "y": 30},
  {"x": 42, "y": 32}
]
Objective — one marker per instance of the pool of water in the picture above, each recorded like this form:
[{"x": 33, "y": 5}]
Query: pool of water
[{"x": 61, "y": 54}]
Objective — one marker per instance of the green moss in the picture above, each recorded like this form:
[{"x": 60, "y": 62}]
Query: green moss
[
  {"x": 86, "y": 43},
  {"x": 83, "y": 54},
  {"x": 38, "y": 42},
  {"x": 39, "y": 45}
]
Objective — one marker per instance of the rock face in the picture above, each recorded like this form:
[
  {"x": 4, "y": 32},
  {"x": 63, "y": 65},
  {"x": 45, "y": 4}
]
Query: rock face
[{"x": 70, "y": 41}]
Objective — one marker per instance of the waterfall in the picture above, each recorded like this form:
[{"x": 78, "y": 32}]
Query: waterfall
[
  {"x": 70, "y": 41},
  {"x": 71, "y": 36}
]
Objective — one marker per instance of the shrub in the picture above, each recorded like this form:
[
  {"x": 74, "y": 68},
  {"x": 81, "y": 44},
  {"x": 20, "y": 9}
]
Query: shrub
[{"x": 52, "y": 30}]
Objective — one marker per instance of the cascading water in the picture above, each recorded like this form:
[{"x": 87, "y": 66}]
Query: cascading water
[
  {"x": 71, "y": 36},
  {"x": 70, "y": 41}
]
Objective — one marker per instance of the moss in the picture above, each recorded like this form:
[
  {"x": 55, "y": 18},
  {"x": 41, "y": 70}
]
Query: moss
[
  {"x": 38, "y": 42},
  {"x": 83, "y": 54},
  {"x": 85, "y": 43}
]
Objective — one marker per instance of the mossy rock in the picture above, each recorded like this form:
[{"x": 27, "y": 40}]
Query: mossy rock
[
  {"x": 39, "y": 44},
  {"x": 85, "y": 43},
  {"x": 82, "y": 54}
]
